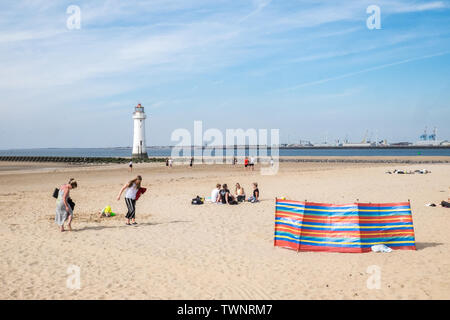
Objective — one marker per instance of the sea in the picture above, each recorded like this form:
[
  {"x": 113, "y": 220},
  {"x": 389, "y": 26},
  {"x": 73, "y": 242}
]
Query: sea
[{"x": 284, "y": 152}]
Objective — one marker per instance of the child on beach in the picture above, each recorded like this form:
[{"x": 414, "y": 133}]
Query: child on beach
[
  {"x": 63, "y": 208},
  {"x": 132, "y": 188},
  {"x": 255, "y": 197}
]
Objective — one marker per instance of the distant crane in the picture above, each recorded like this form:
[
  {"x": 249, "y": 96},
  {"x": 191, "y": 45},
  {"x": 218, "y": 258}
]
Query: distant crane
[
  {"x": 433, "y": 136},
  {"x": 424, "y": 136}
]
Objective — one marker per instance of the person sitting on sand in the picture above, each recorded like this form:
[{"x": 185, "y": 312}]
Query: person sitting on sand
[
  {"x": 215, "y": 193},
  {"x": 255, "y": 197},
  {"x": 132, "y": 187},
  {"x": 224, "y": 194},
  {"x": 240, "y": 193},
  {"x": 63, "y": 209}
]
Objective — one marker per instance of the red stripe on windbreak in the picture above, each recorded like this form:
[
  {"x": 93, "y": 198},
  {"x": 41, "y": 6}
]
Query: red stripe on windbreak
[
  {"x": 398, "y": 204},
  {"x": 286, "y": 244},
  {"x": 333, "y": 249},
  {"x": 329, "y": 204},
  {"x": 290, "y": 245},
  {"x": 347, "y": 250},
  {"x": 337, "y": 235}
]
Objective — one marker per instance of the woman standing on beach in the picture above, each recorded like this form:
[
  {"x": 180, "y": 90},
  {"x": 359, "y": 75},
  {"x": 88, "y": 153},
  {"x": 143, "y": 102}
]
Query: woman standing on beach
[
  {"x": 132, "y": 188},
  {"x": 63, "y": 208}
]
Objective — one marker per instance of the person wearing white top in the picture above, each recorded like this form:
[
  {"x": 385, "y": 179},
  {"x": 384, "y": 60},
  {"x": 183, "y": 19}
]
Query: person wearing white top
[
  {"x": 215, "y": 193},
  {"x": 252, "y": 163},
  {"x": 131, "y": 187}
]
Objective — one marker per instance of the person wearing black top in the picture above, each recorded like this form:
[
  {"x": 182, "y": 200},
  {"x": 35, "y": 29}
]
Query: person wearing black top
[
  {"x": 224, "y": 194},
  {"x": 255, "y": 197}
]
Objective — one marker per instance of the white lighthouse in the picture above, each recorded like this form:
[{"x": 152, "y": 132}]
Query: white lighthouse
[{"x": 139, "y": 146}]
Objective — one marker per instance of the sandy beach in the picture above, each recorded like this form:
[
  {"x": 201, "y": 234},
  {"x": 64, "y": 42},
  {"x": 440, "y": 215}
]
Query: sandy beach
[{"x": 181, "y": 251}]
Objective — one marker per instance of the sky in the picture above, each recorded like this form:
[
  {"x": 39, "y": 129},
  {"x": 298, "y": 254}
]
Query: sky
[{"x": 310, "y": 68}]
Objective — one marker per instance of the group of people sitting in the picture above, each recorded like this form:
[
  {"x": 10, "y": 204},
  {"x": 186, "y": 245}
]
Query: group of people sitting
[{"x": 221, "y": 194}]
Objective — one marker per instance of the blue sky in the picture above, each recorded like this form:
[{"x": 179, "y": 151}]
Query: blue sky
[{"x": 309, "y": 68}]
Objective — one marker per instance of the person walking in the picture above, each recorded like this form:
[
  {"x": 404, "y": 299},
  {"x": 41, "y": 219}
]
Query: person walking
[
  {"x": 131, "y": 188},
  {"x": 64, "y": 210},
  {"x": 252, "y": 163},
  {"x": 130, "y": 165}
]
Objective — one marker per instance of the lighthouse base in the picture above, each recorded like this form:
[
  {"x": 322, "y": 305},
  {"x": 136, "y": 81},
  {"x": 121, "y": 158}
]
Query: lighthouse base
[{"x": 139, "y": 155}]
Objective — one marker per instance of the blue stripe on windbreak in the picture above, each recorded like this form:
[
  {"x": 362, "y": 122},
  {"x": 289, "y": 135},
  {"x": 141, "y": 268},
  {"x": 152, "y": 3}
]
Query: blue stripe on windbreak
[
  {"x": 355, "y": 239},
  {"x": 336, "y": 228},
  {"x": 288, "y": 234}
]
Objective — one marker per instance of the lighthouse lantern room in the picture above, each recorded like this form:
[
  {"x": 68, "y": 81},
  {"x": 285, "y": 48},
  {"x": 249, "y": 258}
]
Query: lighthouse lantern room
[{"x": 139, "y": 146}]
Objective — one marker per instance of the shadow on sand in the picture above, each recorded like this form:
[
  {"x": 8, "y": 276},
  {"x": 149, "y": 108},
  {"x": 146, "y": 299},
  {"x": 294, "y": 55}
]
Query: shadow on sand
[
  {"x": 143, "y": 224},
  {"x": 424, "y": 245}
]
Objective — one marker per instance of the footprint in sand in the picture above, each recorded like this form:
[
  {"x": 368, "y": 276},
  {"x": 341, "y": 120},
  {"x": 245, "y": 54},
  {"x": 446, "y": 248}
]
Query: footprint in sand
[{"x": 245, "y": 291}]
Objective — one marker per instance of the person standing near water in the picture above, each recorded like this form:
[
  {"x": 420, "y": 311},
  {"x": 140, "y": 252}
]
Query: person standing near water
[
  {"x": 63, "y": 208},
  {"x": 131, "y": 165},
  {"x": 132, "y": 188}
]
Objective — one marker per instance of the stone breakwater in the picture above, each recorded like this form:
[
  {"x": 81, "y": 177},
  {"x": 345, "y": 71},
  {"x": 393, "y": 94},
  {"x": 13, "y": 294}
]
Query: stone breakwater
[
  {"x": 75, "y": 160},
  {"x": 101, "y": 160}
]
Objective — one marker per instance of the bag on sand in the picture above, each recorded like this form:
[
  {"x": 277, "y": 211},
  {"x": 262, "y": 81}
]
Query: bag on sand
[
  {"x": 380, "y": 248},
  {"x": 197, "y": 200},
  {"x": 56, "y": 193}
]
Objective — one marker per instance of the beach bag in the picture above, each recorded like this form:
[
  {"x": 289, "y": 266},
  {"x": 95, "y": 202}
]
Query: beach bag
[
  {"x": 56, "y": 193},
  {"x": 197, "y": 200},
  {"x": 71, "y": 203},
  {"x": 140, "y": 192}
]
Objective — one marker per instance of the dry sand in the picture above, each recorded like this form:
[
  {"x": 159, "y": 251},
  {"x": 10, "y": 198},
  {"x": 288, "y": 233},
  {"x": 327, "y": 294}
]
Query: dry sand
[{"x": 180, "y": 251}]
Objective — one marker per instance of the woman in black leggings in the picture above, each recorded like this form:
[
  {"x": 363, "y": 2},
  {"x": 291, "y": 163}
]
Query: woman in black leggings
[{"x": 132, "y": 187}]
